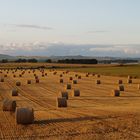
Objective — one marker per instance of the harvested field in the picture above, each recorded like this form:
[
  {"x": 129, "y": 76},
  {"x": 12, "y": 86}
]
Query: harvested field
[{"x": 92, "y": 115}]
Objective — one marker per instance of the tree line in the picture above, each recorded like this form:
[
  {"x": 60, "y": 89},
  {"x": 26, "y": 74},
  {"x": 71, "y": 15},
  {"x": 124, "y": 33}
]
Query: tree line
[{"x": 67, "y": 61}]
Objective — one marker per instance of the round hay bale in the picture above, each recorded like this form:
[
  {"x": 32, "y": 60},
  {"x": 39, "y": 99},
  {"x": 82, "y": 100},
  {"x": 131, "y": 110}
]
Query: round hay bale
[
  {"x": 129, "y": 81},
  {"x": 14, "y": 92},
  {"x": 129, "y": 77},
  {"x": 2, "y": 80},
  {"x": 29, "y": 81},
  {"x": 24, "y": 115},
  {"x": 5, "y": 75},
  {"x": 97, "y": 82},
  {"x": 46, "y": 74},
  {"x": 120, "y": 82},
  {"x": 9, "y": 105},
  {"x": 18, "y": 83},
  {"x": 64, "y": 94},
  {"x": 98, "y": 76},
  {"x": 79, "y": 77},
  {"x": 87, "y": 75},
  {"x": 20, "y": 75},
  {"x": 36, "y": 77},
  {"x": 68, "y": 86},
  {"x": 115, "y": 92},
  {"x": 61, "y": 102},
  {"x": 121, "y": 88},
  {"x": 76, "y": 75},
  {"x": 55, "y": 73},
  {"x": 14, "y": 75},
  {"x": 74, "y": 81},
  {"x": 43, "y": 75},
  {"x": 61, "y": 81},
  {"x": 61, "y": 75},
  {"x": 76, "y": 92},
  {"x": 70, "y": 78},
  {"x": 67, "y": 72},
  {"x": 37, "y": 80}
]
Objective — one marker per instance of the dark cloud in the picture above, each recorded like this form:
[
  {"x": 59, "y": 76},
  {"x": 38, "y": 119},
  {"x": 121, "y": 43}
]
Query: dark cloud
[{"x": 31, "y": 26}]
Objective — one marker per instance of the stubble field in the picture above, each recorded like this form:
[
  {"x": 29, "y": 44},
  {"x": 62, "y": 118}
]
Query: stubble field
[{"x": 95, "y": 114}]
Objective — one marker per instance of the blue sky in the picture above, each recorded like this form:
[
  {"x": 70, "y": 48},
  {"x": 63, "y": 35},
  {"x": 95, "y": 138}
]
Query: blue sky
[{"x": 28, "y": 24}]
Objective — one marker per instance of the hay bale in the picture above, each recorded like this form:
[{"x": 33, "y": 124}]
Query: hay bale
[
  {"x": 79, "y": 77},
  {"x": 68, "y": 86},
  {"x": 14, "y": 75},
  {"x": 9, "y": 105},
  {"x": 64, "y": 94},
  {"x": 61, "y": 75},
  {"x": 61, "y": 81},
  {"x": 115, "y": 92},
  {"x": 24, "y": 115},
  {"x": 97, "y": 82},
  {"x": 55, "y": 73},
  {"x": 121, "y": 88},
  {"x": 98, "y": 76},
  {"x": 46, "y": 74},
  {"x": 129, "y": 77},
  {"x": 70, "y": 78},
  {"x": 37, "y": 80},
  {"x": 43, "y": 75},
  {"x": 67, "y": 72},
  {"x": 74, "y": 81},
  {"x": 120, "y": 82},
  {"x": 36, "y": 77},
  {"x": 18, "y": 83},
  {"x": 129, "y": 81},
  {"x": 61, "y": 102},
  {"x": 87, "y": 75},
  {"x": 14, "y": 92},
  {"x": 29, "y": 81},
  {"x": 76, "y": 75},
  {"x": 76, "y": 92},
  {"x": 20, "y": 75},
  {"x": 2, "y": 80},
  {"x": 5, "y": 75}
]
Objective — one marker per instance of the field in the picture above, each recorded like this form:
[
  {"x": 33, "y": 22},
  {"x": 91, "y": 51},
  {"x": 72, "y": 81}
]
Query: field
[{"x": 95, "y": 114}]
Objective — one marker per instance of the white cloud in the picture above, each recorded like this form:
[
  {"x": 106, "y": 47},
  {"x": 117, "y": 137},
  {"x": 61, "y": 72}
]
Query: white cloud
[
  {"x": 125, "y": 49},
  {"x": 37, "y": 48}
]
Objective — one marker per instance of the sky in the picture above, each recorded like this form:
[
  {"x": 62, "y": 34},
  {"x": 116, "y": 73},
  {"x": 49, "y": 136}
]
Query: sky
[{"x": 70, "y": 27}]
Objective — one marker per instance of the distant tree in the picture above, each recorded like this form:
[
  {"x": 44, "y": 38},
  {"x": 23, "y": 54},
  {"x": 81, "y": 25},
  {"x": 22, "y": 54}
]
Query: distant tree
[
  {"x": 78, "y": 61},
  {"x": 21, "y": 60},
  {"x": 33, "y": 60},
  {"x": 48, "y": 61},
  {"x": 4, "y": 61}
]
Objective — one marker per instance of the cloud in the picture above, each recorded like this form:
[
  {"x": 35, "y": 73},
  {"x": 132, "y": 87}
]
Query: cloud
[
  {"x": 62, "y": 49},
  {"x": 31, "y": 26},
  {"x": 119, "y": 50}
]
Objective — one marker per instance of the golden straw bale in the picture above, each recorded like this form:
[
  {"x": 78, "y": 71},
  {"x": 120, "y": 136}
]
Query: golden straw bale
[
  {"x": 14, "y": 92},
  {"x": 115, "y": 92},
  {"x": 24, "y": 115},
  {"x": 61, "y": 102},
  {"x": 76, "y": 92},
  {"x": 9, "y": 105}
]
